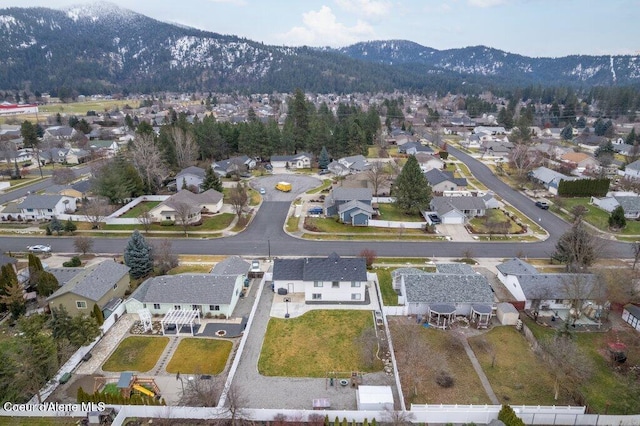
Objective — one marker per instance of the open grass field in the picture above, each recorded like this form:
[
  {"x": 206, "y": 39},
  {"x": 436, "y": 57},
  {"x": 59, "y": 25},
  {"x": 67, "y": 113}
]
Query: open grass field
[
  {"x": 200, "y": 356},
  {"x": 83, "y": 107},
  {"x": 136, "y": 354},
  {"x": 423, "y": 354},
  {"x": 316, "y": 343},
  {"x": 140, "y": 208},
  {"x": 489, "y": 223},
  {"x": 390, "y": 211},
  {"x": 517, "y": 375}
]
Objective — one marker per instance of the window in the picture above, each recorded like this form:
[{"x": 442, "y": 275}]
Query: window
[
  {"x": 335, "y": 284},
  {"x": 316, "y": 296},
  {"x": 167, "y": 217},
  {"x": 214, "y": 307},
  {"x": 49, "y": 210},
  {"x": 177, "y": 307},
  {"x": 317, "y": 283},
  {"x": 30, "y": 210},
  {"x": 144, "y": 305},
  {"x": 156, "y": 306},
  {"x": 81, "y": 304},
  {"x": 195, "y": 307},
  {"x": 355, "y": 283},
  {"x": 356, "y": 296}
]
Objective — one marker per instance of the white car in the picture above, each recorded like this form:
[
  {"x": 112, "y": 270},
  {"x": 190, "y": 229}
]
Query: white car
[
  {"x": 255, "y": 266},
  {"x": 263, "y": 191},
  {"x": 39, "y": 248}
]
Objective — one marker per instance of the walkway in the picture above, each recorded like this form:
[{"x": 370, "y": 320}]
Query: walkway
[{"x": 476, "y": 366}]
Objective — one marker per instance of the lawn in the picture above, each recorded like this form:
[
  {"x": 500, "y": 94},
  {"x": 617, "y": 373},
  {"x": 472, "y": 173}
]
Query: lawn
[
  {"x": 598, "y": 217},
  {"x": 424, "y": 354},
  {"x": 136, "y": 354},
  {"x": 83, "y": 107},
  {"x": 389, "y": 295},
  {"x": 292, "y": 223},
  {"x": 390, "y": 211},
  {"x": 200, "y": 356},
  {"x": 217, "y": 222},
  {"x": 201, "y": 268},
  {"x": 491, "y": 223},
  {"x": 517, "y": 375},
  {"x": 372, "y": 237},
  {"x": 326, "y": 183},
  {"x": 140, "y": 208},
  {"x": 317, "y": 343}
]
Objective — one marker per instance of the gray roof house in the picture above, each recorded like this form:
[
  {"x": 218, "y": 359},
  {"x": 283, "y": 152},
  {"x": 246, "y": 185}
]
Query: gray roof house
[
  {"x": 629, "y": 203},
  {"x": 348, "y": 165},
  {"x": 455, "y": 210},
  {"x": 441, "y": 181},
  {"x": 550, "y": 179},
  {"x": 632, "y": 170},
  {"x": 232, "y": 265},
  {"x": 45, "y": 207},
  {"x": 191, "y": 177},
  {"x": 103, "y": 284},
  {"x": 341, "y": 195},
  {"x": 234, "y": 164},
  {"x": 355, "y": 213},
  {"x": 413, "y": 148},
  {"x": 329, "y": 279},
  {"x": 186, "y": 205},
  {"x": 293, "y": 162}
]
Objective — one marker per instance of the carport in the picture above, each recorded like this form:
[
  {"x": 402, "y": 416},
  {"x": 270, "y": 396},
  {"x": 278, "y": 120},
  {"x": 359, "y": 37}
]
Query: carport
[{"x": 179, "y": 318}]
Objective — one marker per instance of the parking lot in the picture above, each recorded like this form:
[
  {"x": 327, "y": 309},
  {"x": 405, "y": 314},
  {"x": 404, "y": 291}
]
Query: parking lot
[{"x": 299, "y": 185}]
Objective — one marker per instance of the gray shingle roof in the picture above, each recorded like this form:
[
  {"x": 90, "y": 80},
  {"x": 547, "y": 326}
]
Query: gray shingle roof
[
  {"x": 406, "y": 271},
  {"x": 64, "y": 275},
  {"x": 40, "y": 201},
  {"x": 629, "y": 203},
  {"x": 332, "y": 268},
  {"x": 560, "y": 286},
  {"x": 196, "y": 289},
  {"x": 4, "y": 260},
  {"x": 191, "y": 170},
  {"x": 454, "y": 268},
  {"x": 232, "y": 265},
  {"x": 436, "y": 176},
  {"x": 347, "y": 194},
  {"x": 194, "y": 201},
  {"x": 82, "y": 186},
  {"x": 447, "y": 288},
  {"x": 56, "y": 189},
  {"x": 357, "y": 205},
  {"x": 633, "y": 310},
  {"x": 516, "y": 266},
  {"x": 444, "y": 205},
  {"x": 94, "y": 281},
  {"x": 633, "y": 166}
]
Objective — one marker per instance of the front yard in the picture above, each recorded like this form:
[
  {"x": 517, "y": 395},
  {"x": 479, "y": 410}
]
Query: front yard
[
  {"x": 595, "y": 216},
  {"x": 320, "y": 342},
  {"x": 136, "y": 354},
  {"x": 495, "y": 222},
  {"x": 200, "y": 356},
  {"x": 332, "y": 226}
]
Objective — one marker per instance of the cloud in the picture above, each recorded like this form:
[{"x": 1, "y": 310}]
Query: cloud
[
  {"x": 486, "y": 3},
  {"x": 321, "y": 28},
  {"x": 366, "y": 8}
]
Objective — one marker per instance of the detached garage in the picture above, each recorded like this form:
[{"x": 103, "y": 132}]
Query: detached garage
[
  {"x": 375, "y": 398},
  {"x": 631, "y": 315}
]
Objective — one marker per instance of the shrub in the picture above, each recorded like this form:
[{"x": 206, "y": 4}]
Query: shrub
[
  {"x": 73, "y": 263},
  {"x": 509, "y": 417},
  {"x": 444, "y": 379},
  {"x": 167, "y": 223}
]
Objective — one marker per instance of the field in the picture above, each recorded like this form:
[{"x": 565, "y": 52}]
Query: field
[
  {"x": 318, "y": 342},
  {"x": 136, "y": 354},
  {"x": 200, "y": 356}
]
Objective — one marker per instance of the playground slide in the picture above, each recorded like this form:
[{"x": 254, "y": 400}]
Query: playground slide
[{"x": 144, "y": 390}]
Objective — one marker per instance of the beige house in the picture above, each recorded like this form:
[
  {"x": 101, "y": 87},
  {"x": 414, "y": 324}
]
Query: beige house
[
  {"x": 185, "y": 204},
  {"x": 103, "y": 284}
]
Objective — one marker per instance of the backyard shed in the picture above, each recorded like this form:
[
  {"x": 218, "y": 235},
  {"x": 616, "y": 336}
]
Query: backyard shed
[
  {"x": 507, "y": 314},
  {"x": 631, "y": 315},
  {"x": 375, "y": 398}
]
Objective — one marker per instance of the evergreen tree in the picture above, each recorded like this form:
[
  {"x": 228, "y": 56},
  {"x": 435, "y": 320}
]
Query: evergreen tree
[
  {"x": 411, "y": 189},
  {"x": 631, "y": 137},
  {"x": 323, "y": 160},
  {"x": 55, "y": 225},
  {"x": 617, "y": 219},
  {"x": 138, "y": 255},
  {"x": 60, "y": 322},
  {"x": 567, "y": 133},
  {"x": 29, "y": 134},
  {"x": 47, "y": 284},
  {"x": 97, "y": 314},
  {"x": 12, "y": 296},
  {"x": 35, "y": 267},
  {"x": 211, "y": 180},
  {"x": 70, "y": 226},
  {"x": 84, "y": 329}
]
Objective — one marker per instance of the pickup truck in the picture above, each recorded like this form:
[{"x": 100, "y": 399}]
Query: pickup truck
[{"x": 542, "y": 204}]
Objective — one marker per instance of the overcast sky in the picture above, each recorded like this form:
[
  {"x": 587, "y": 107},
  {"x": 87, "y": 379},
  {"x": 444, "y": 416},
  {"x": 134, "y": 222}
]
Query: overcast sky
[{"x": 548, "y": 28}]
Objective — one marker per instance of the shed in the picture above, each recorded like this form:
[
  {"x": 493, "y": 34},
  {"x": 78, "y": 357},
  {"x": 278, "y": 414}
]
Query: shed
[
  {"x": 507, "y": 314},
  {"x": 374, "y": 398},
  {"x": 631, "y": 315}
]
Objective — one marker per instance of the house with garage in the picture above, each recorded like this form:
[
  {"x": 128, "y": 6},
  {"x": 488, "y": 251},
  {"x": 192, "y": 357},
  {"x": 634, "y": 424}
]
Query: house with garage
[
  {"x": 630, "y": 204},
  {"x": 45, "y": 207},
  {"x": 347, "y": 165},
  {"x": 456, "y": 210},
  {"x": 438, "y": 298},
  {"x": 442, "y": 181},
  {"x": 428, "y": 162},
  {"x": 413, "y": 148},
  {"x": 292, "y": 162},
  {"x": 191, "y": 177},
  {"x": 580, "y": 162},
  {"x": 341, "y": 195},
  {"x": 548, "y": 178},
  {"x": 104, "y": 284},
  {"x": 331, "y": 279},
  {"x": 233, "y": 165},
  {"x": 355, "y": 213},
  {"x": 232, "y": 265},
  {"x": 66, "y": 190},
  {"x": 558, "y": 295},
  {"x": 187, "y": 206}
]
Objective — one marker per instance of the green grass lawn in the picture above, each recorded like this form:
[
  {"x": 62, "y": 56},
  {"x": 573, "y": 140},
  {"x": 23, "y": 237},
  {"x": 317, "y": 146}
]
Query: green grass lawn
[
  {"x": 136, "y": 354},
  {"x": 372, "y": 237},
  {"x": 139, "y": 209},
  {"x": 292, "y": 223},
  {"x": 331, "y": 226},
  {"x": 217, "y": 222},
  {"x": 494, "y": 216},
  {"x": 315, "y": 343},
  {"x": 111, "y": 389},
  {"x": 390, "y": 211},
  {"x": 326, "y": 183},
  {"x": 200, "y": 356},
  {"x": 83, "y": 107},
  {"x": 598, "y": 217},
  {"x": 389, "y": 295}
]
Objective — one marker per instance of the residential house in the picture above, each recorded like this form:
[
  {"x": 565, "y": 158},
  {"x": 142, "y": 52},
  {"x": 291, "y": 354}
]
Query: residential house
[
  {"x": 412, "y": 148},
  {"x": 348, "y": 165},
  {"x": 580, "y": 161},
  {"x": 548, "y": 178},
  {"x": 103, "y": 284},
  {"x": 454, "y": 289},
  {"x": 497, "y": 148},
  {"x": 186, "y": 205},
  {"x": 17, "y": 155},
  {"x": 207, "y": 293},
  {"x": 355, "y": 213},
  {"x": 441, "y": 181},
  {"x": 191, "y": 177},
  {"x": 59, "y": 133},
  {"x": 456, "y": 210},
  {"x": 490, "y": 130},
  {"x": 428, "y": 162},
  {"x": 342, "y": 195},
  {"x": 292, "y": 162},
  {"x": 232, "y": 265},
  {"x": 104, "y": 148},
  {"x": 45, "y": 207},
  {"x": 552, "y": 294},
  {"x": 82, "y": 187},
  {"x": 632, "y": 170},
  {"x": 630, "y": 204},
  {"x": 64, "y": 156},
  {"x": 326, "y": 279},
  {"x": 67, "y": 190},
  {"x": 234, "y": 165}
]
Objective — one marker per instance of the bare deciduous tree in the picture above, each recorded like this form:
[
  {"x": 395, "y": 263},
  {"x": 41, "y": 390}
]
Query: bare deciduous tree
[
  {"x": 164, "y": 257},
  {"x": 568, "y": 364},
  {"x": 234, "y": 400},
  {"x": 635, "y": 247},
  {"x": 522, "y": 160},
  {"x": 376, "y": 176},
  {"x": 83, "y": 244},
  {"x": 184, "y": 212},
  {"x": 95, "y": 211},
  {"x": 186, "y": 148},
  {"x": 62, "y": 176},
  {"x": 147, "y": 158},
  {"x": 239, "y": 198},
  {"x": 145, "y": 218},
  {"x": 199, "y": 392}
]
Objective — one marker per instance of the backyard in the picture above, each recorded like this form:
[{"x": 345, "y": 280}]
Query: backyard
[
  {"x": 319, "y": 342},
  {"x": 390, "y": 211},
  {"x": 136, "y": 354},
  {"x": 140, "y": 208},
  {"x": 200, "y": 356}
]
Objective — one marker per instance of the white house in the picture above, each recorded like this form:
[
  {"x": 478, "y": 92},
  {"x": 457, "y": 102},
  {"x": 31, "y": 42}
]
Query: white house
[
  {"x": 632, "y": 170},
  {"x": 186, "y": 204},
  {"x": 45, "y": 207},
  {"x": 630, "y": 204},
  {"x": 293, "y": 162},
  {"x": 191, "y": 177},
  {"x": 326, "y": 279}
]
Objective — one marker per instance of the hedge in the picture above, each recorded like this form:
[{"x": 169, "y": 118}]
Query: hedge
[{"x": 584, "y": 188}]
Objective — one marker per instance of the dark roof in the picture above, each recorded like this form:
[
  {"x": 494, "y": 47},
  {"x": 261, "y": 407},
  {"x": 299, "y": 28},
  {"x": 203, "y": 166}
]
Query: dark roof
[
  {"x": 454, "y": 268},
  {"x": 441, "y": 288},
  {"x": 4, "y": 259},
  {"x": 191, "y": 170},
  {"x": 232, "y": 265},
  {"x": 560, "y": 286},
  {"x": 436, "y": 176},
  {"x": 64, "y": 275},
  {"x": 40, "y": 201},
  {"x": 516, "y": 266},
  {"x": 290, "y": 157},
  {"x": 633, "y": 310},
  {"x": 443, "y": 205},
  {"x": 95, "y": 281},
  {"x": 187, "y": 288},
  {"x": 347, "y": 194},
  {"x": 83, "y": 186},
  {"x": 332, "y": 268}
]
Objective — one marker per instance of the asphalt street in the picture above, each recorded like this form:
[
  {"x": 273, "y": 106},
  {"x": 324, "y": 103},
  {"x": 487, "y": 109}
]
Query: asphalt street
[{"x": 265, "y": 235}]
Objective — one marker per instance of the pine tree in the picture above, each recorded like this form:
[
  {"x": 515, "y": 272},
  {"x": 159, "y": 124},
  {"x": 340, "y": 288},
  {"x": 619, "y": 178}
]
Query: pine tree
[
  {"x": 617, "y": 219},
  {"x": 567, "y": 133},
  {"x": 138, "y": 255},
  {"x": 324, "y": 159},
  {"x": 211, "y": 180},
  {"x": 411, "y": 189},
  {"x": 55, "y": 225},
  {"x": 70, "y": 226},
  {"x": 35, "y": 267},
  {"x": 47, "y": 284},
  {"x": 12, "y": 295},
  {"x": 97, "y": 314}
]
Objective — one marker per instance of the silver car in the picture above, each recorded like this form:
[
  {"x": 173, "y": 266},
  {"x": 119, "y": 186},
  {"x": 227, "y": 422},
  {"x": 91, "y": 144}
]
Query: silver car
[{"x": 39, "y": 248}]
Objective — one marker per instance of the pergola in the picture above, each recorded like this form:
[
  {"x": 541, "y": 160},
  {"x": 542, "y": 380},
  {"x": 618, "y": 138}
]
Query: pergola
[
  {"x": 441, "y": 315},
  {"x": 179, "y": 317},
  {"x": 481, "y": 315}
]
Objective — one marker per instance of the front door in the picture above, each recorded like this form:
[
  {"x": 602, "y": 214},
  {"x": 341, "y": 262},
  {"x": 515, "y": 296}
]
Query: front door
[{"x": 291, "y": 288}]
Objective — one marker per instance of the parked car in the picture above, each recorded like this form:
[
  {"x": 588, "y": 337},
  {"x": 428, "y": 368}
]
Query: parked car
[
  {"x": 263, "y": 191},
  {"x": 324, "y": 172},
  {"x": 39, "y": 248},
  {"x": 435, "y": 219},
  {"x": 542, "y": 204},
  {"x": 255, "y": 266},
  {"x": 315, "y": 210}
]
